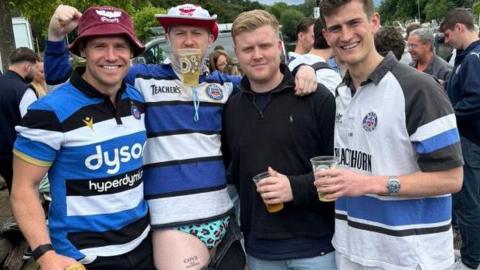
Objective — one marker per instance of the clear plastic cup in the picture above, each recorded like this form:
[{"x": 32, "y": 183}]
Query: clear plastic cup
[
  {"x": 271, "y": 208},
  {"x": 324, "y": 163}
]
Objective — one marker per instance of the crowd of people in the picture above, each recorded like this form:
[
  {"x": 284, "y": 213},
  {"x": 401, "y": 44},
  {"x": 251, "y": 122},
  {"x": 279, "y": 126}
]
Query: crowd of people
[{"x": 140, "y": 158}]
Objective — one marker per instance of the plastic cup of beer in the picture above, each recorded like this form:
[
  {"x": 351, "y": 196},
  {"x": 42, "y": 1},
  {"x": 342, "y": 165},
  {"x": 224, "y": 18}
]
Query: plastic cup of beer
[
  {"x": 271, "y": 208},
  {"x": 321, "y": 163},
  {"x": 190, "y": 64}
]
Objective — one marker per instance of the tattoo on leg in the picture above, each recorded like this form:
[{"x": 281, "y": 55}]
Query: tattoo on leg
[{"x": 191, "y": 262}]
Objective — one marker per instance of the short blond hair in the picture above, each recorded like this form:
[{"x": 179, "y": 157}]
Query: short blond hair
[{"x": 251, "y": 20}]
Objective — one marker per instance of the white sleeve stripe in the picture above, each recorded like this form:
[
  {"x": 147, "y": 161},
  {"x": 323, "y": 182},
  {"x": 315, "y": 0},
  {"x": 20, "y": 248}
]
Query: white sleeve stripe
[
  {"x": 48, "y": 137},
  {"x": 27, "y": 99},
  {"x": 434, "y": 128}
]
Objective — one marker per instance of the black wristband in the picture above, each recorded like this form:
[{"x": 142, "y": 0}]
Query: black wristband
[{"x": 40, "y": 250}]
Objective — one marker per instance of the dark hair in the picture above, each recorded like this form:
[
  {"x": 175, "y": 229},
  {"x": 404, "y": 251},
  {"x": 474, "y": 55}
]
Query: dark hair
[
  {"x": 458, "y": 15},
  {"x": 411, "y": 27},
  {"x": 320, "y": 41},
  {"x": 218, "y": 47},
  {"x": 304, "y": 24},
  {"x": 330, "y": 7},
  {"x": 23, "y": 54},
  {"x": 389, "y": 39}
]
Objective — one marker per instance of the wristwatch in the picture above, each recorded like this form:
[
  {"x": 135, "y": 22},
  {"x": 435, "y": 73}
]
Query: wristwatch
[{"x": 393, "y": 185}]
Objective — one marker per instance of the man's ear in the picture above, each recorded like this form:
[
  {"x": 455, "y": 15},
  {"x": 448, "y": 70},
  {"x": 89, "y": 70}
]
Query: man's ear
[{"x": 375, "y": 21}]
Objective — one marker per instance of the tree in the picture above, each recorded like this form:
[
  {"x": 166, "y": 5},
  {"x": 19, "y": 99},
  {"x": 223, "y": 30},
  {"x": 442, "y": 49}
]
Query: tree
[
  {"x": 437, "y": 10},
  {"x": 7, "y": 43},
  {"x": 277, "y": 9},
  {"x": 289, "y": 20},
  {"x": 144, "y": 19}
]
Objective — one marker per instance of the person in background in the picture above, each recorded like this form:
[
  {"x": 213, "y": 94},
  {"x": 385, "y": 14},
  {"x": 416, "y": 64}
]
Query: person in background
[
  {"x": 399, "y": 149},
  {"x": 318, "y": 58},
  {"x": 406, "y": 57},
  {"x": 38, "y": 83},
  {"x": 463, "y": 89},
  {"x": 305, "y": 38},
  {"x": 15, "y": 97},
  {"x": 388, "y": 39},
  {"x": 221, "y": 61},
  {"x": 421, "y": 47}
]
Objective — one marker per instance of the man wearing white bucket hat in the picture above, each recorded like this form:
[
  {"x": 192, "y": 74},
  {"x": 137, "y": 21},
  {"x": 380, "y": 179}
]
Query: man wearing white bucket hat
[{"x": 184, "y": 173}]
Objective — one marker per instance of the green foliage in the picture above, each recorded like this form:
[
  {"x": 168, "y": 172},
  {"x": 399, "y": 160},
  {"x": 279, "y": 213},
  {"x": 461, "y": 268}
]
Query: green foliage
[
  {"x": 144, "y": 19},
  {"x": 277, "y": 9},
  {"x": 289, "y": 20},
  {"x": 437, "y": 10},
  {"x": 391, "y": 10}
]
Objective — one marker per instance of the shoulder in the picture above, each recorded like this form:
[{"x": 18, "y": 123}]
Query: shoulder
[{"x": 151, "y": 71}]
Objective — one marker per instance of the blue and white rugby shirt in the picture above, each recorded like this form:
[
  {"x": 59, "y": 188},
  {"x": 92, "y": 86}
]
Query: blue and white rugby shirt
[
  {"x": 94, "y": 151},
  {"x": 399, "y": 122},
  {"x": 184, "y": 171}
]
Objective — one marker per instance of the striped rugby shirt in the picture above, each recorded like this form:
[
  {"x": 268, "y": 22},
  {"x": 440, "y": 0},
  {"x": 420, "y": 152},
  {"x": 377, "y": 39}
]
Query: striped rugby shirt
[
  {"x": 184, "y": 176},
  {"x": 399, "y": 122},
  {"x": 95, "y": 156}
]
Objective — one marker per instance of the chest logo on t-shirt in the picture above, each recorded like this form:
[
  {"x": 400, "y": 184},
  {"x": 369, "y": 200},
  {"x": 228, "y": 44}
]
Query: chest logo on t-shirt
[
  {"x": 88, "y": 121},
  {"x": 214, "y": 92},
  {"x": 135, "y": 111},
  {"x": 369, "y": 122}
]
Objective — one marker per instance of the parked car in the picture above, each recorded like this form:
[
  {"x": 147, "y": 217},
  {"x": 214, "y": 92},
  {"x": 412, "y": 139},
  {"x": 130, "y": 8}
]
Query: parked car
[{"x": 158, "y": 49}]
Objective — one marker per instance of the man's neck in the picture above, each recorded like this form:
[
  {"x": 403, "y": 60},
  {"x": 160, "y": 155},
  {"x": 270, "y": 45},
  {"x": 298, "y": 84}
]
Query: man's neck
[
  {"x": 299, "y": 49},
  {"x": 17, "y": 70},
  {"x": 469, "y": 39},
  {"x": 263, "y": 87},
  {"x": 323, "y": 53},
  {"x": 423, "y": 62},
  {"x": 361, "y": 71}
]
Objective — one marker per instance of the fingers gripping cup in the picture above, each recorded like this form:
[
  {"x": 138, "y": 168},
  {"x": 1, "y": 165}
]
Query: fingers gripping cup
[
  {"x": 271, "y": 208},
  {"x": 190, "y": 64},
  {"x": 324, "y": 163}
]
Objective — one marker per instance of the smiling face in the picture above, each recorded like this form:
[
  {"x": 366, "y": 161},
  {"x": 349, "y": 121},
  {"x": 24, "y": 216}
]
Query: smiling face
[
  {"x": 417, "y": 49},
  {"x": 350, "y": 33},
  {"x": 258, "y": 54},
  {"x": 108, "y": 61}
]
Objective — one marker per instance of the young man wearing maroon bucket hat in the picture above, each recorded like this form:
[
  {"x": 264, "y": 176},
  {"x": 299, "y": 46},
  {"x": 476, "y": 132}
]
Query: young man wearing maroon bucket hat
[{"x": 89, "y": 135}]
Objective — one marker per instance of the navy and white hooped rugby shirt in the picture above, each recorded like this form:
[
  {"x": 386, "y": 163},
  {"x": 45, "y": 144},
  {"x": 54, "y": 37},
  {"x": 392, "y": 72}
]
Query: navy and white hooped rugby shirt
[
  {"x": 185, "y": 180},
  {"x": 399, "y": 122},
  {"x": 94, "y": 151}
]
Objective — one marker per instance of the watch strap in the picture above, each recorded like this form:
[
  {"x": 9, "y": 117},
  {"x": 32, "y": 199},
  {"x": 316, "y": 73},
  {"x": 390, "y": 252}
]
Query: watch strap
[{"x": 40, "y": 250}]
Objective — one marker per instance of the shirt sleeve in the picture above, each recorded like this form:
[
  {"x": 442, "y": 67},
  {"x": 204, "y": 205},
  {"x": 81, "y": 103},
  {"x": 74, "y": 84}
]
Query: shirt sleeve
[
  {"x": 432, "y": 127},
  {"x": 39, "y": 136},
  {"x": 57, "y": 66}
]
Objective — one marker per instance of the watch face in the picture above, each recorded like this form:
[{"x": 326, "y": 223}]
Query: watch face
[{"x": 393, "y": 186}]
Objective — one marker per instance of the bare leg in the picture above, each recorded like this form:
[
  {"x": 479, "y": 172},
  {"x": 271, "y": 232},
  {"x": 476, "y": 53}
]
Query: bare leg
[{"x": 176, "y": 250}]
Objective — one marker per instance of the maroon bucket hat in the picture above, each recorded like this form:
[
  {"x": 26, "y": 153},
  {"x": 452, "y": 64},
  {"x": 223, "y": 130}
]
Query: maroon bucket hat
[{"x": 106, "y": 21}]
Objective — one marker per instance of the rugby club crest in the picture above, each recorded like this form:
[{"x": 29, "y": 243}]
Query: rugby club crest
[
  {"x": 214, "y": 92},
  {"x": 370, "y": 121}
]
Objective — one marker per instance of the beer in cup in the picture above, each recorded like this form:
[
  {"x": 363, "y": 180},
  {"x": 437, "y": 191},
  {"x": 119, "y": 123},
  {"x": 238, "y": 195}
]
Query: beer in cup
[
  {"x": 271, "y": 208},
  {"x": 190, "y": 64},
  {"x": 324, "y": 163}
]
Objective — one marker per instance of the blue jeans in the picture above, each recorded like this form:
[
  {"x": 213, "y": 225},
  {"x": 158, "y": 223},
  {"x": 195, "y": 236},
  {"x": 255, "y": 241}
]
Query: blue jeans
[
  {"x": 324, "y": 262},
  {"x": 466, "y": 205}
]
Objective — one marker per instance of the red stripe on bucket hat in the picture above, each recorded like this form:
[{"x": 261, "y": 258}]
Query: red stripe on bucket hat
[
  {"x": 189, "y": 14},
  {"x": 106, "y": 21}
]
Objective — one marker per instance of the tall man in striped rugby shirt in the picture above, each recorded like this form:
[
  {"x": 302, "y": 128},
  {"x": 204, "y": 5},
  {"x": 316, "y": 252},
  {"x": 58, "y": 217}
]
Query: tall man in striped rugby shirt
[
  {"x": 89, "y": 135},
  {"x": 396, "y": 132}
]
